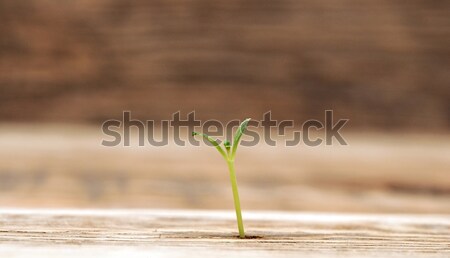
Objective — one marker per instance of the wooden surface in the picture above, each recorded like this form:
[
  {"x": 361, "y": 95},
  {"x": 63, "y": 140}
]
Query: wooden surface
[
  {"x": 383, "y": 64},
  {"x": 375, "y": 175},
  {"x": 187, "y": 233},
  {"x": 65, "y": 166}
]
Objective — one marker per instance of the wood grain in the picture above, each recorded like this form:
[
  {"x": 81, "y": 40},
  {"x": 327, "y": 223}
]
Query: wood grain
[{"x": 187, "y": 233}]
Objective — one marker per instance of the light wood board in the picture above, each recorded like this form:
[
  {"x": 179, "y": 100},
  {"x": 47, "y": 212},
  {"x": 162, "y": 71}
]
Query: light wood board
[{"x": 192, "y": 233}]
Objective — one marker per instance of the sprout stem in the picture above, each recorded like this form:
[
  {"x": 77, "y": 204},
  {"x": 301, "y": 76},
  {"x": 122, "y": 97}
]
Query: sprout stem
[
  {"x": 228, "y": 154},
  {"x": 237, "y": 203}
]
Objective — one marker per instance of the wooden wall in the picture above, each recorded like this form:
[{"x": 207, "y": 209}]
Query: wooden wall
[{"x": 383, "y": 64}]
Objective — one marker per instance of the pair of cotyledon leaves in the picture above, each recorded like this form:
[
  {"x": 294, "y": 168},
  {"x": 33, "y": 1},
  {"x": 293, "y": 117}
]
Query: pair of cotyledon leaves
[{"x": 230, "y": 149}]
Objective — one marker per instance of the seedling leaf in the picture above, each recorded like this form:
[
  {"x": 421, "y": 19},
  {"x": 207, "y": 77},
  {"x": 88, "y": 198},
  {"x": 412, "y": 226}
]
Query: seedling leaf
[
  {"x": 213, "y": 142},
  {"x": 238, "y": 135}
]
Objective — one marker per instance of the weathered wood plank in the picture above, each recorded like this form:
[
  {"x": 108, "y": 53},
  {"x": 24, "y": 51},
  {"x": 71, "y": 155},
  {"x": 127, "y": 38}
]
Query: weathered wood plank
[
  {"x": 186, "y": 233},
  {"x": 70, "y": 169},
  {"x": 67, "y": 167}
]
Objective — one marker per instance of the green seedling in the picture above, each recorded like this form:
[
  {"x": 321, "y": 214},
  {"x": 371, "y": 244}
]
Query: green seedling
[{"x": 229, "y": 153}]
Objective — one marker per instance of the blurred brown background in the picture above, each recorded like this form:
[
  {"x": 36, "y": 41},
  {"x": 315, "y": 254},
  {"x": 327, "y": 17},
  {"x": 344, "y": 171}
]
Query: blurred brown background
[
  {"x": 66, "y": 66},
  {"x": 383, "y": 64}
]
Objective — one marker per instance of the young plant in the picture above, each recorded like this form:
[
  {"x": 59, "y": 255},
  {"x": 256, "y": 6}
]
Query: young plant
[{"x": 229, "y": 154}]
